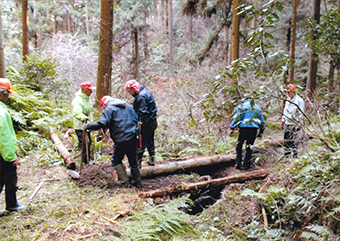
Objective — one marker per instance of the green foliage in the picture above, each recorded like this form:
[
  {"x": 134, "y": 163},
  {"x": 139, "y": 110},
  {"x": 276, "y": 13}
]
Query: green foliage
[
  {"x": 317, "y": 233},
  {"x": 325, "y": 37},
  {"x": 161, "y": 222},
  {"x": 41, "y": 75}
]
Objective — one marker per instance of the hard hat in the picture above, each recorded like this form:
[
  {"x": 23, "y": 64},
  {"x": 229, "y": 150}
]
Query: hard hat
[
  {"x": 133, "y": 84},
  {"x": 105, "y": 99},
  {"x": 290, "y": 87},
  {"x": 87, "y": 85},
  {"x": 6, "y": 84}
]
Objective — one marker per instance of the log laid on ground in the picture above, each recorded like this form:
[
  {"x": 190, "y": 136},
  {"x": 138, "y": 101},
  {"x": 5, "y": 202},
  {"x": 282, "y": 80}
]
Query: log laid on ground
[
  {"x": 69, "y": 162},
  {"x": 273, "y": 143},
  {"x": 187, "y": 164},
  {"x": 200, "y": 185}
]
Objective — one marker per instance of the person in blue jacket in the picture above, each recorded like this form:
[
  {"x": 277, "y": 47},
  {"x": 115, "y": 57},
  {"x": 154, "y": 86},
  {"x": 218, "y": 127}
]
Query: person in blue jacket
[
  {"x": 146, "y": 110},
  {"x": 249, "y": 120},
  {"x": 121, "y": 120}
]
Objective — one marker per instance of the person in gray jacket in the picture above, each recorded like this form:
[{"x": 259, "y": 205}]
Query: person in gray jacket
[
  {"x": 121, "y": 120},
  {"x": 292, "y": 120}
]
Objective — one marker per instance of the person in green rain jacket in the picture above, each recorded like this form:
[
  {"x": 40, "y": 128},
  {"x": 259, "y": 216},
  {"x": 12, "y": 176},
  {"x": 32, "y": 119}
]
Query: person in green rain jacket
[
  {"x": 8, "y": 157},
  {"x": 82, "y": 113}
]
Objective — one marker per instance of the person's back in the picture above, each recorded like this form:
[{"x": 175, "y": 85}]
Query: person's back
[{"x": 145, "y": 106}]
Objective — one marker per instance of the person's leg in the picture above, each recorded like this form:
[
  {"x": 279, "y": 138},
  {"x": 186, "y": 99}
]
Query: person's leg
[
  {"x": 131, "y": 153},
  {"x": 118, "y": 155},
  {"x": 239, "y": 145},
  {"x": 288, "y": 140},
  {"x": 250, "y": 138},
  {"x": 150, "y": 143},
  {"x": 79, "y": 134},
  {"x": 10, "y": 179}
]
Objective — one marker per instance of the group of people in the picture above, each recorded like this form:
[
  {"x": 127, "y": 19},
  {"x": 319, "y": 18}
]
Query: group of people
[
  {"x": 249, "y": 121},
  {"x": 125, "y": 123},
  {"x": 132, "y": 129}
]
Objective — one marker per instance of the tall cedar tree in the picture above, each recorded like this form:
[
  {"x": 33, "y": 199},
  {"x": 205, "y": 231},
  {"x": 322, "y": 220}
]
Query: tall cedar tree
[
  {"x": 105, "y": 49},
  {"x": 25, "y": 52}
]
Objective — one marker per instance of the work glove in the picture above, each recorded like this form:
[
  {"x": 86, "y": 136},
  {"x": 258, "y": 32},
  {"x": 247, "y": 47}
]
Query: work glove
[{"x": 15, "y": 163}]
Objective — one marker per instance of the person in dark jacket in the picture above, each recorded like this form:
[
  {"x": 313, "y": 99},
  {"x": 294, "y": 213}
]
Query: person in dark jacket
[
  {"x": 121, "y": 120},
  {"x": 248, "y": 119},
  {"x": 146, "y": 109}
]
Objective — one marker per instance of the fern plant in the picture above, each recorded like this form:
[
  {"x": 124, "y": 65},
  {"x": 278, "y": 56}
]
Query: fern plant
[
  {"x": 158, "y": 222},
  {"x": 317, "y": 233}
]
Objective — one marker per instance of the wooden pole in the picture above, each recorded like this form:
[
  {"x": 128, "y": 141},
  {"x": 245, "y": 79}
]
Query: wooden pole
[
  {"x": 201, "y": 185},
  {"x": 187, "y": 164},
  {"x": 69, "y": 162}
]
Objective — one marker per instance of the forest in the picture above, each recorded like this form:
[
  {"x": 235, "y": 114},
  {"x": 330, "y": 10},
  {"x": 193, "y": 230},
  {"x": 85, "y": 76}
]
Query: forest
[{"x": 198, "y": 58}]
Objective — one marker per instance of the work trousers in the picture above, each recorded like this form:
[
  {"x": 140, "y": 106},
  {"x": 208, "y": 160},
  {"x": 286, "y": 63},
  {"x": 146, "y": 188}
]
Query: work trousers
[
  {"x": 248, "y": 135},
  {"x": 290, "y": 139},
  {"x": 148, "y": 139},
  {"x": 8, "y": 176},
  {"x": 82, "y": 144},
  {"x": 128, "y": 148}
]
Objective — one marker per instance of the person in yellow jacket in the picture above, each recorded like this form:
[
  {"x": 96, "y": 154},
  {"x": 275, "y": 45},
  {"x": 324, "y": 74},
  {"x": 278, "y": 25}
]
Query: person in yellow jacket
[
  {"x": 8, "y": 157},
  {"x": 81, "y": 113}
]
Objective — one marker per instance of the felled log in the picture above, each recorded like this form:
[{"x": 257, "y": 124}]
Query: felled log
[
  {"x": 201, "y": 185},
  {"x": 69, "y": 162},
  {"x": 273, "y": 143},
  {"x": 184, "y": 165}
]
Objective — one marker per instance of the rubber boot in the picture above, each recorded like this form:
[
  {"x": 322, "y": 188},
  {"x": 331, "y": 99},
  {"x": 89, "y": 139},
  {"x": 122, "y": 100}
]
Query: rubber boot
[
  {"x": 151, "y": 162},
  {"x": 136, "y": 178},
  {"x": 123, "y": 179},
  {"x": 12, "y": 203},
  {"x": 2, "y": 213}
]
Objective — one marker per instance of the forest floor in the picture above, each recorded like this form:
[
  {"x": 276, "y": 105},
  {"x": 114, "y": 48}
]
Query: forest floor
[{"x": 93, "y": 206}]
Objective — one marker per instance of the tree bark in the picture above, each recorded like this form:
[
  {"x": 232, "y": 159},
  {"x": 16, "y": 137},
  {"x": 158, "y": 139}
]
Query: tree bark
[
  {"x": 313, "y": 62},
  {"x": 187, "y": 164},
  {"x": 105, "y": 50},
  {"x": 201, "y": 185},
  {"x": 25, "y": 51},
  {"x": 210, "y": 43},
  {"x": 274, "y": 143},
  {"x": 172, "y": 68},
  {"x": 69, "y": 162},
  {"x": 235, "y": 30},
  {"x": 136, "y": 53},
  {"x": 293, "y": 42},
  {"x": 2, "y": 55}
]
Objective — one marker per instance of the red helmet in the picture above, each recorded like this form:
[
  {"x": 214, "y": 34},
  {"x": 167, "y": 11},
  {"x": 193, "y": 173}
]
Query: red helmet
[
  {"x": 105, "y": 99},
  {"x": 133, "y": 84},
  {"x": 6, "y": 84},
  {"x": 86, "y": 85},
  {"x": 291, "y": 87}
]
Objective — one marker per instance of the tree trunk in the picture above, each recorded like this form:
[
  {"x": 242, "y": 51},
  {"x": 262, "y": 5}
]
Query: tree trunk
[
  {"x": 210, "y": 43},
  {"x": 69, "y": 162},
  {"x": 292, "y": 53},
  {"x": 87, "y": 27},
  {"x": 313, "y": 62},
  {"x": 145, "y": 37},
  {"x": 201, "y": 185},
  {"x": 190, "y": 27},
  {"x": 172, "y": 71},
  {"x": 273, "y": 143},
  {"x": 136, "y": 53},
  {"x": 2, "y": 55},
  {"x": 331, "y": 77},
  {"x": 235, "y": 29},
  {"x": 105, "y": 49},
  {"x": 187, "y": 164},
  {"x": 25, "y": 51}
]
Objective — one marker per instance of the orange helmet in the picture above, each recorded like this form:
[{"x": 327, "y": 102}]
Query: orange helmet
[
  {"x": 133, "y": 84},
  {"x": 6, "y": 84}
]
